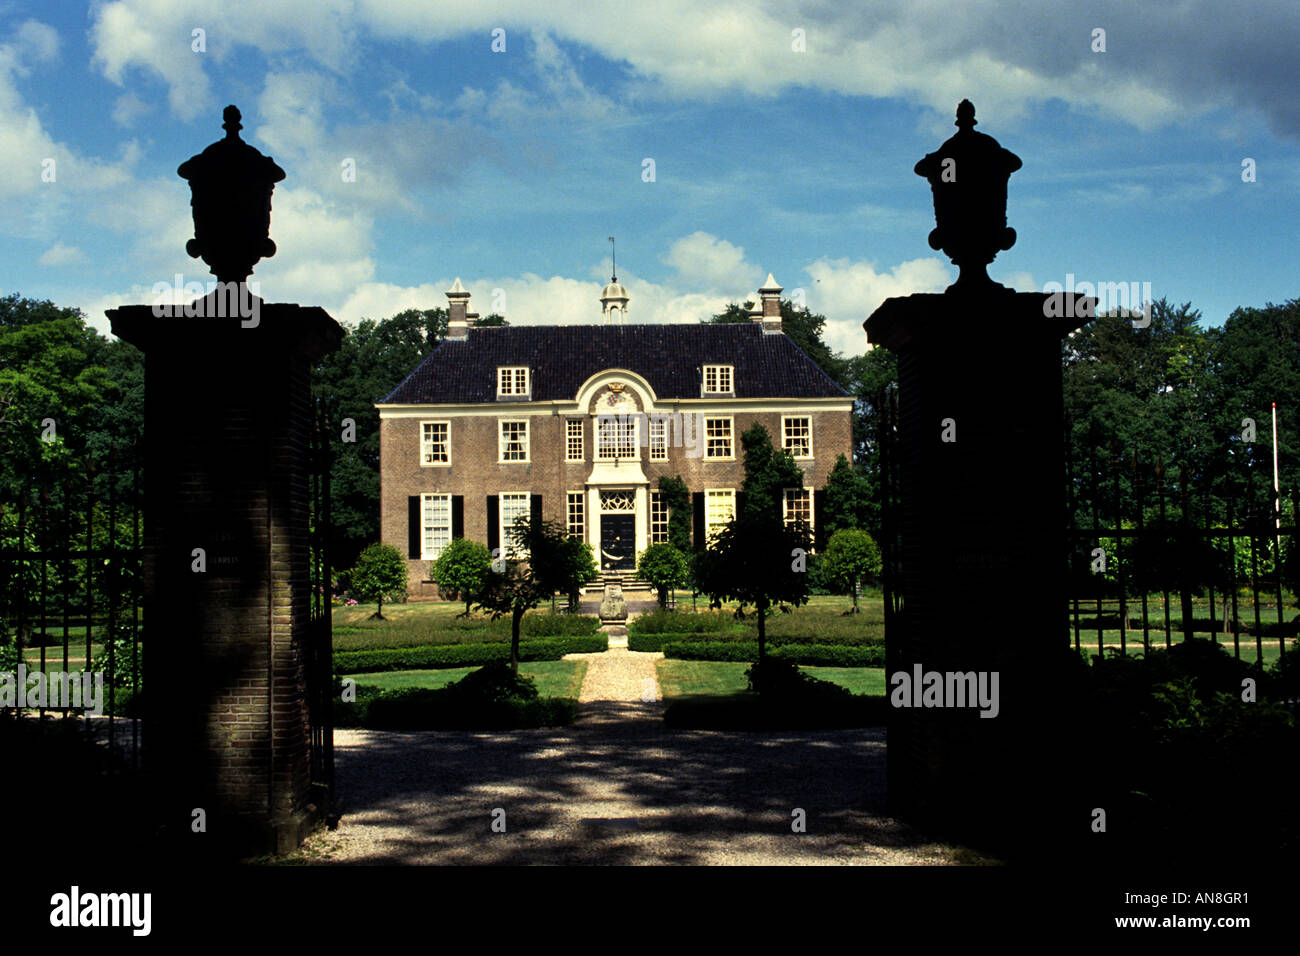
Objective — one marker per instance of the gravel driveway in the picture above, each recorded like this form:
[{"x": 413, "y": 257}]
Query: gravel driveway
[{"x": 616, "y": 787}]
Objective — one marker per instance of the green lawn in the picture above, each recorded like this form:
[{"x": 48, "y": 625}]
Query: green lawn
[
  {"x": 554, "y": 678},
  {"x": 722, "y": 678}
]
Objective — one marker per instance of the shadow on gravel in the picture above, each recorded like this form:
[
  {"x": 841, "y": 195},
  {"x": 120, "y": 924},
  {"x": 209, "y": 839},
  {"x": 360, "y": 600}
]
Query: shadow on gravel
[{"x": 616, "y": 787}]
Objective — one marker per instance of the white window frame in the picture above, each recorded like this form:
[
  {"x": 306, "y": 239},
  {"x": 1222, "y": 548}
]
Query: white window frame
[
  {"x": 501, "y": 441},
  {"x": 577, "y": 529},
  {"x": 571, "y": 435},
  {"x": 711, "y": 527},
  {"x": 430, "y": 549},
  {"x": 659, "y": 513},
  {"x": 731, "y": 437},
  {"x": 785, "y": 434},
  {"x": 721, "y": 372},
  {"x": 508, "y": 548},
  {"x": 509, "y": 381},
  {"x": 657, "y": 439},
  {"x": 426, "y": 445},
  {"x": 619, "y": 421},
  {"x": 785, "y": 505}
]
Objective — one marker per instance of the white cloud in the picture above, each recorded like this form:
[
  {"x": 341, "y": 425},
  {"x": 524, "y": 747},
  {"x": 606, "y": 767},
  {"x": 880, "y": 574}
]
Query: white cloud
[
  {"x": 1009, "y": 55},
  {"x": 848, "y": 291},
  {"x": 61, "y": 255},
  {"x": 38, "y": 40},
  {"x": 128, "y": 108},
  {"x": 705, "y": 260}
]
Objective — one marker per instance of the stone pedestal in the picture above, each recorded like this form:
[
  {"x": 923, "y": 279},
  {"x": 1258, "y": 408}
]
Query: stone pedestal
[
  {"x": 613, "y": 608},
  {"x": 982, "y": 518},
  {"x": 227, "y": 425}
]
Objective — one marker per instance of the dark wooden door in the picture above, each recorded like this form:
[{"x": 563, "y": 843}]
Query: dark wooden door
[{"x": 617, "y": 542}]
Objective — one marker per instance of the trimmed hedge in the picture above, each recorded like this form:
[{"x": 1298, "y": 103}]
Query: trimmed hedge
[
  {"x": 443, "y": 709},
  {"x": 557, "y": 625},
  {"x": 463, "y": 655},
  {"x": 814, "y": 655},
  {"x": 679, "y": 622}
]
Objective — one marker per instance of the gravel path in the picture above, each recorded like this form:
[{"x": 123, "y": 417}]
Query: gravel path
[{"x": 617, "y": 787}]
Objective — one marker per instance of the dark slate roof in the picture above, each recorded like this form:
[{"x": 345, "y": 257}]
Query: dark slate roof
[{"x": 562, "y": 357}]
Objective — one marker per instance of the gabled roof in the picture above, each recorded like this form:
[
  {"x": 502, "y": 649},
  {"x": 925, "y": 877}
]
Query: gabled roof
[{"x": 563, "y": 357}]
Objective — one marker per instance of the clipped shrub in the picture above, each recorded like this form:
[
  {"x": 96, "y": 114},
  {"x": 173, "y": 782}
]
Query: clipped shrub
[
  {"x": 679, "y": 622},
  {"x": 463, "y": 655},
  {"x": 559, "y": 625},
  {"x": 814, "y": 655}
]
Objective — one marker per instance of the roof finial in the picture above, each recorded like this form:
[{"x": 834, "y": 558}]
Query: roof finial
[{"x": 613, "y": 262}]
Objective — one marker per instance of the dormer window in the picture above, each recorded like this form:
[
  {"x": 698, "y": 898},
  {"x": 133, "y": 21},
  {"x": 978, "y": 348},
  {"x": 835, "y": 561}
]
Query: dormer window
[
  {"x": 718, "y": 380},
  {"x": 513, "y": 382}
]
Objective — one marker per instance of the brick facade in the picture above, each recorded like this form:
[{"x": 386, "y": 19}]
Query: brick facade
[{"x": 475, "y": 472}]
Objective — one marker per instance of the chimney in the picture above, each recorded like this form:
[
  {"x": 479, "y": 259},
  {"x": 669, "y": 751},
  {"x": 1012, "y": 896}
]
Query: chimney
[
  {"x": 756, "y": 315},
  {"x": 457, "y": 312},
  {"x": 771, "y": 296}
]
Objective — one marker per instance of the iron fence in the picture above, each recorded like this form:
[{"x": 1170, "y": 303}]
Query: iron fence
[{"x": 1148, "y": 543}]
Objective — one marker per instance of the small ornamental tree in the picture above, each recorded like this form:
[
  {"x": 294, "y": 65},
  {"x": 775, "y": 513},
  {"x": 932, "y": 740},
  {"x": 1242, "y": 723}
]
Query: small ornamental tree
[
  {"x": 848, "y": 498},
  {"x": 757, "y": 560},
  {"x": 677, "y": 499},
  {"x": 462, "y": 567},
  {"x": 379, "y": 574},
  {"x": 850, "y": 555},
  {"x": 549, "y": 561},
  {"x": 665, "y": 567}
]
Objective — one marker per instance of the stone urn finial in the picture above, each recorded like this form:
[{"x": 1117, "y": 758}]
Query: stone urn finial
[
  {"x": 231, "y": 184},
  {"x": 968, "y": 175}
]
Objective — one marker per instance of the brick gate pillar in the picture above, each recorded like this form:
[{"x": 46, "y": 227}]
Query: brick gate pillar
[
  {"x": 983, "y": 521},
  {"x": 228, "y": 420}
]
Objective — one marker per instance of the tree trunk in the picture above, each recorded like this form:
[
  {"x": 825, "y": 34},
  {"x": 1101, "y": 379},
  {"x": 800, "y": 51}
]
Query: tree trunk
[
  {"x": 762, "y": 632},
  {"x": 1187, "y": 613},
  {"x": 855, "y": 597},
  {"x": 379, "y": 609},
  {"x": 515, "y": 620},
  {"x": 467, "y": 600},
  {"x": 663, "y": 598}
]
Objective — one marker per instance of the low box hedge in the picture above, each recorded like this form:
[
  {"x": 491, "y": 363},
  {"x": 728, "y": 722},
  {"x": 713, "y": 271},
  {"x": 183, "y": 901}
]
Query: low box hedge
[
  {"x": 814, "y": 655},
  {"x": 463, "y": 655},
  {"x": 424, "y": 709}
]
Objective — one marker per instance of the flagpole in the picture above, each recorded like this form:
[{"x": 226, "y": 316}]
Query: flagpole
[{"x": 1277, "y": 488}]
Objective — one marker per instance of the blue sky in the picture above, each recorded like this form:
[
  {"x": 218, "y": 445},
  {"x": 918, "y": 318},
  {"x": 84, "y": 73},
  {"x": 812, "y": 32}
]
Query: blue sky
[{"x": 509, "y": 169}]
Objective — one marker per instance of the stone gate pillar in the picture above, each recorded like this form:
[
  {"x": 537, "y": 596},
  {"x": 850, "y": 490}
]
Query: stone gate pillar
[
  {"x": 228, "y": 419},
  {"x": 982, "y": 519}
]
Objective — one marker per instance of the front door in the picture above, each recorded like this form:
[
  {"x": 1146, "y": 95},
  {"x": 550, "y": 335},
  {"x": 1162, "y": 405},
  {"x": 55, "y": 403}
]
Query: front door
[{"x": 617, "y": 542}]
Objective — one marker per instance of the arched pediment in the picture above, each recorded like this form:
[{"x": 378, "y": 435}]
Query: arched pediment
[{"x": 615, "y": 391}]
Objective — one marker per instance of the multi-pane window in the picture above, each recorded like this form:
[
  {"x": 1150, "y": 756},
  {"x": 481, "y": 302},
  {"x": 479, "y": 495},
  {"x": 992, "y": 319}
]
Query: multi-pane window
[
  {"x": 717, "y": 438},
  {"x": 573, "y": 450},
  {"x": 514, "y": 441},
  {"x": 576, "y": 513},
  {"x": 717, "y": 379},
  {"x": 719, "y": 508},
  {"x": 796, "y": 436},
  {"x": 435, "y": 443},
  {"x": 512, "y": 506},
  {"x": 658, "y": 518},
  {"x": 436, "y": 525},
  {"x": 512, "y": 380},
  {"x": 798, "y": 506},
  {"x": 616, "y": 437},
  {"x": 658, "y": 439}
]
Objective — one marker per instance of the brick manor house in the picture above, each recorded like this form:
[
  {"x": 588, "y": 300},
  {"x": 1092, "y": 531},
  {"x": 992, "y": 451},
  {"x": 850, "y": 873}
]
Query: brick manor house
[{"x": 577, "y": 423}]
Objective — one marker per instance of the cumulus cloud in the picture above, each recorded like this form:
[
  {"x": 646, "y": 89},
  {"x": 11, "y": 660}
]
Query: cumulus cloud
[
  {"x": 1012, "y": 54},
  {"x": 847, "y": 291},
  {"x": 61, "y": 255},
  {"x": 705, "y": 260}
]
